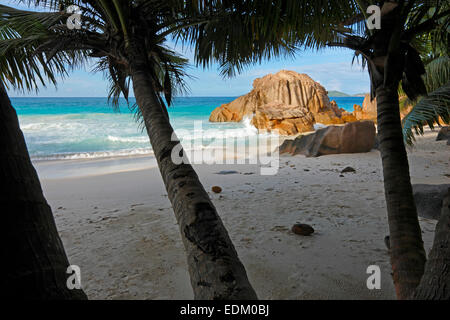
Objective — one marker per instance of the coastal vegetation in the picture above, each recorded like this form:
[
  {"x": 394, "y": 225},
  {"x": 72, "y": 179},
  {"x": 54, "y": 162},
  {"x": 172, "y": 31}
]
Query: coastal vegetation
[
  {"x": 433, "y": 108},
  {"x": 127, "y": 41}
]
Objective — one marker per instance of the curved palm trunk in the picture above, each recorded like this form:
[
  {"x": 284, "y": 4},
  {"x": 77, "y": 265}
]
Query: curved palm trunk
[
  {"x": 435, "y": 283},
  {"x": 34, "y": 262},
  {"x": 215, "y": 269},
  {"x": 407, "y": 251}
]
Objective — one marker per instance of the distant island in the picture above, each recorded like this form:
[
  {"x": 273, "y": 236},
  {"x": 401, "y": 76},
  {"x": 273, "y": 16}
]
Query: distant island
[{"x": 343, "y": 94}]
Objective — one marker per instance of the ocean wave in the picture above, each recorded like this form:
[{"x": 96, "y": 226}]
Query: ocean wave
[
  {"x": 128, "y": 139},
  {"x": 319, "y": 126},
  {"x": 94, "y": 155},
  {"x": 93, "y": 136},
  {"x": 40, "y": 126}
]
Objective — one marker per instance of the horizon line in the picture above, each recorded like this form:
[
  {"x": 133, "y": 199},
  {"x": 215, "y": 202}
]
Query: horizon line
[{"x": 356, "y": 95}]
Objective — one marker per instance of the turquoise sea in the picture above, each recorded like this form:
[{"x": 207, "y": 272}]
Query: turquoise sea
[{"x": 79, "y": 128}]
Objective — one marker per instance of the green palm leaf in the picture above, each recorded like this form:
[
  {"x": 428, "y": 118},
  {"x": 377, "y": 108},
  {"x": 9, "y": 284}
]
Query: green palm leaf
[
  {"x": 37, "y": 47},
  {"x": 437, "y": 73},
  {"x": 20, "y": 64},
  {"x": 430, "y": 108},
  {"x": 248, "y": 32},
  {"x": 428, "y": 111}
]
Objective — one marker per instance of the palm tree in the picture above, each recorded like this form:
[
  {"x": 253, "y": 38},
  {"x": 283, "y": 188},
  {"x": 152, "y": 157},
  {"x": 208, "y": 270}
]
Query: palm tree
[
  {"x": 435, "y": 282},
  {"x": 126, "y": 39},
  {"x": 256, "y": 28},
  {"x": 392, "y": 59},
  {"x": 35, "y": 261}
]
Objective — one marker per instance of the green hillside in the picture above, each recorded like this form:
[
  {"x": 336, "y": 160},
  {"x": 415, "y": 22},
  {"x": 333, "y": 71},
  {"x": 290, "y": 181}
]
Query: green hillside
[{"x": 337, "y": 94}]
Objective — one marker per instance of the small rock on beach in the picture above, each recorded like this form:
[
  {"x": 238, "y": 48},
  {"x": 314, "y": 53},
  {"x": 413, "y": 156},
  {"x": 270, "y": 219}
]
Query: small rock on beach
[
  {"x": 348, "y": 170},
  {"x": 302, "y": 229},
  {"x": 216, "y": 189},
  {"x": 227, "y": 172}
]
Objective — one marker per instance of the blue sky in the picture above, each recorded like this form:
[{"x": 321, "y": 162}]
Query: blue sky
[{"x": 331, "y": 67}]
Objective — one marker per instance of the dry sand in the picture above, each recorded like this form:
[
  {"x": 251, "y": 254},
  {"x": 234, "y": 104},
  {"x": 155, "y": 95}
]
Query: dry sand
[{"x": 120, "y": 229}]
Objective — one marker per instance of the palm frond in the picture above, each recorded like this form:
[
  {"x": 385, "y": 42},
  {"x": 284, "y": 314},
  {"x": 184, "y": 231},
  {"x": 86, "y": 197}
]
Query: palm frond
[
  {"x": 51, "y": 49},
  {"x": 437, "y": 73},
  {"x": 428, "y": 111},
  {"x": 23, "y": 65},
  {"x": 243, "y": 33}
]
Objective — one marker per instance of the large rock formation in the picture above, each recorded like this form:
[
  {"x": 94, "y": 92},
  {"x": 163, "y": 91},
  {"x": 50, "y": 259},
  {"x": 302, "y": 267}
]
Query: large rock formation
[
  {"x": 444, "y": 134},
  {"x": 287, "y": 119},
  {"x": 281, "y": 101},
  {"x": 368, "y": 111},
  {"x": 355, "y": 137},
  {"x": 429, "y": 199}
]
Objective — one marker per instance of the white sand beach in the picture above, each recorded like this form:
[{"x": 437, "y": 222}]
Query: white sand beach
[{"x": 117, "y": 224}]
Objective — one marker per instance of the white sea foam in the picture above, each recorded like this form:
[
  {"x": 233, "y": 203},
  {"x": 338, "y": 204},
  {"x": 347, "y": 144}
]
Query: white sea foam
[
  {"x": 128, "y": 139},
  {"x": 95, "y": 155},
  {"x": 249, "y": 127},
  {"x": 319, "y": 126}
]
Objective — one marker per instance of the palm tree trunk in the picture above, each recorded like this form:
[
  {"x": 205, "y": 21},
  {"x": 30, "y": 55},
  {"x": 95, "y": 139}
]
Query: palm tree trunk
[
  {"x": 34, "y": 261},
  {"x": 435, "y": 283},
  {"x": 407, "y": 251},
  {"x": 215, "y": 269}
]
